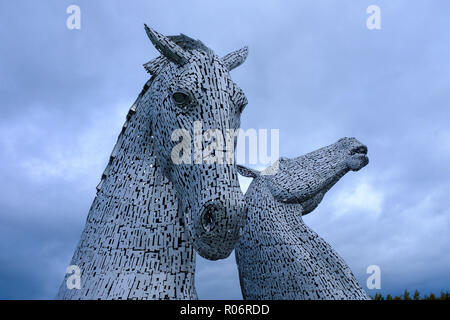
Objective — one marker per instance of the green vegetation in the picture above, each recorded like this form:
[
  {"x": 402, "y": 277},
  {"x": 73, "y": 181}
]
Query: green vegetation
[{"x": 416, "y": 296}]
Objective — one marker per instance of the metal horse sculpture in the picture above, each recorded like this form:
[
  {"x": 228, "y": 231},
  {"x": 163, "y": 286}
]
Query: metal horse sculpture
[
  {"x": 149, "y": 214},
  {"x": 278, "y": 256}
]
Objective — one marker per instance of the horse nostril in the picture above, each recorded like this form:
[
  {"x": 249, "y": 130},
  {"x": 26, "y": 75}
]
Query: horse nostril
[{"x": 208, "y": 219}]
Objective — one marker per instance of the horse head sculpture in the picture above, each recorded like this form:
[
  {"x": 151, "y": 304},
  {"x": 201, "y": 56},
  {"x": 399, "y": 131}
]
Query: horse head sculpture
[
  {"x": 306, "y": 179},
  {"x": 191, "y": 88},
  {"x": 278, "y": 255},
  {"x": 152, "y": 212}
]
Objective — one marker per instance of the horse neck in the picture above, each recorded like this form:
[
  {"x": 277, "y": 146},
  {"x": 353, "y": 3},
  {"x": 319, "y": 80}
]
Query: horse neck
[
  {"x": 134, "y": 243},
  {"x": 265, "y": 208}
]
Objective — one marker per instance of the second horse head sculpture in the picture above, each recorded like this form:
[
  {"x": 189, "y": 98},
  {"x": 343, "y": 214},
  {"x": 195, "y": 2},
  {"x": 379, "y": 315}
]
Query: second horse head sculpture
[{"x": 279, "y": 256}]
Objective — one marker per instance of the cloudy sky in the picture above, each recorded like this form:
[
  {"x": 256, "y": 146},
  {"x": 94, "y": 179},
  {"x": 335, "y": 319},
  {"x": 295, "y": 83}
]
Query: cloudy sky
[{"x": 315, "y": 72}]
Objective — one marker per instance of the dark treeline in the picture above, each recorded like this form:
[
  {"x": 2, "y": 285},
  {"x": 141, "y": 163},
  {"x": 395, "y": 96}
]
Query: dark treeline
[{"x": 416, "y": 296}]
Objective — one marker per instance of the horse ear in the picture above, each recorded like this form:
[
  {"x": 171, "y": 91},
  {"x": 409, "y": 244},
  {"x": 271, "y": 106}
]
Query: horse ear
[
  {"x": 156, "y": 65},
  {"x": 167, "y": 47},
  {"x": 235, "y": 58},
  {"x": 247, "y": 172}
]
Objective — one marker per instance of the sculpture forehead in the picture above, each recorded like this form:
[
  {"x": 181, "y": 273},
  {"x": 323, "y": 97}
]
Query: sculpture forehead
[
  {"x": 201, "y": 75},
  {"x": 204, "y": 69}
]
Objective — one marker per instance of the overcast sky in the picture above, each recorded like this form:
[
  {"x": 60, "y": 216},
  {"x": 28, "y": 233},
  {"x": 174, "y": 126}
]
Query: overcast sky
[{"x": 314, "y": 71}]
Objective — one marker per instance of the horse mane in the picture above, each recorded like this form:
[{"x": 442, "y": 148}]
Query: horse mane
[
  {"x": 119, "y": 141},
  {"x": 187, "y": 43}
]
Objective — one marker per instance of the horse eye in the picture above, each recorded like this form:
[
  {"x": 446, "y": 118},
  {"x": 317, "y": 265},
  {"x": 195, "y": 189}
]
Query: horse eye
[{"x": 181, "y": 98}]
